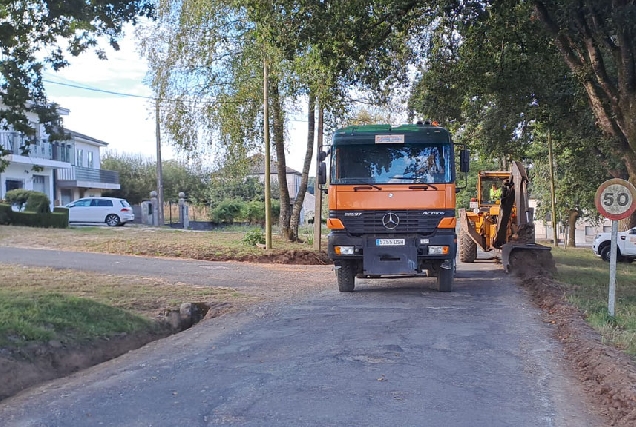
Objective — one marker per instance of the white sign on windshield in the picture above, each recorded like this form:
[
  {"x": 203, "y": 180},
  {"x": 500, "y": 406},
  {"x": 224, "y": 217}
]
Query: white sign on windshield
[{"x": 389, "y": 139}]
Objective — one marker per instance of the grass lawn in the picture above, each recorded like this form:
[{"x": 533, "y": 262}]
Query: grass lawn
[
  {"x": 42, "y": 304},
  {"x": 587, "y": 285},
  {"x": 131, "y": 240}
]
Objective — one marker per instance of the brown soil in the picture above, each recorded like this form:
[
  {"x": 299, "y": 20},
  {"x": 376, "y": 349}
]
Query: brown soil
[{"x": 607, "y": 374}]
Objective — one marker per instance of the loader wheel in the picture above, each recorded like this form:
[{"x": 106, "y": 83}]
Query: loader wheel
[
  {"x": 467, "y": 248},
  {"x": 445, "y": 279},
  {"x": 346, "y": 276}
]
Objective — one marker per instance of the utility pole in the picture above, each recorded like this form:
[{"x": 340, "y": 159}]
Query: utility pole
[
  {"x": 552, "y": 189},
  {"x": 268, "y": 199},
  {"x": 159, "y": 171},
  {"x": 317, "y": 188}
]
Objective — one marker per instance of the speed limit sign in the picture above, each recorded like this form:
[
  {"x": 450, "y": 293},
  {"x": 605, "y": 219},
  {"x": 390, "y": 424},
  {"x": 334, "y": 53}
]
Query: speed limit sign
[{"x": 615, "y": 199}]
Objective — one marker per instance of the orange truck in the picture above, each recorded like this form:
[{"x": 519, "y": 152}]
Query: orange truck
[{"x": 392, "y": 203}]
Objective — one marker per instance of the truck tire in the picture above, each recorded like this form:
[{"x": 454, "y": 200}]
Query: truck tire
[
  {"x": 605, "y": 253},
  {"x": 445, "y": 279},
  {"x": 346, "y": 276},
  {"x": 467, "y": 248}
]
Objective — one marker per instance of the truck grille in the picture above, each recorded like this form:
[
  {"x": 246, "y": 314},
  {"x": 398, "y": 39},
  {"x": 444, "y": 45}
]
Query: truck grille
[{"x": 410, "y": 221}]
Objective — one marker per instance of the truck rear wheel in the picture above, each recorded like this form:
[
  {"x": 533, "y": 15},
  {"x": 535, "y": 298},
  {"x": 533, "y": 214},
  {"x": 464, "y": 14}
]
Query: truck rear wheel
[
  {"x": 445, "y": 279},
  {"x": 346, "y": 276},
  {"x": 467, "y": 248}
]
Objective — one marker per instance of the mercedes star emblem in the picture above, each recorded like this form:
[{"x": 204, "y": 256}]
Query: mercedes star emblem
[{"x": 390, "y": 221}]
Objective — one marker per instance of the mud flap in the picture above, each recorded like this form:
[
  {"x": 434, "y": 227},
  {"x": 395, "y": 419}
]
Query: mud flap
[
  {"x": 522, "y": 258},
  {"x": 390, "y": 260}
]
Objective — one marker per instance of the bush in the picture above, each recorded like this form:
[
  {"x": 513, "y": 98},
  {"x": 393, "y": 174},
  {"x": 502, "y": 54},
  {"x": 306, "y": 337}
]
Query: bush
[
  {"x": 253, "y": 237},
  {"x": 33, "y": 201},
  {"x": 228, "y": 210},
  {"x": 5, "y": 214},
  {"x": 38, "y": 203},
  {"x": 17, "y": 197},
  {"x": 44, "y": 220}
]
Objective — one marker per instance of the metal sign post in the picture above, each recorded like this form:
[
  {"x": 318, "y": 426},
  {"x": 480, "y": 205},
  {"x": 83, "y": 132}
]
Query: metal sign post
[{"x": 615, "y": 200}]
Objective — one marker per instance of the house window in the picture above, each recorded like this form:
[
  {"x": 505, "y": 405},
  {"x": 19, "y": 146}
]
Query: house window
[
  {"x": 79, "y": 157},
  {"x": 590, "y": 231},
  {"x": 13, "y": 184},
  {"x": 90, "y": 159},
  {"x": 607, "y": 229}
]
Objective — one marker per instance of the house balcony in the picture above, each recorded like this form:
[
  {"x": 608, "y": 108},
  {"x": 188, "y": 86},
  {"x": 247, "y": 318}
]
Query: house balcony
[
  {"x": 39, "y": 152},
  {"x": 80, "y": 177}
]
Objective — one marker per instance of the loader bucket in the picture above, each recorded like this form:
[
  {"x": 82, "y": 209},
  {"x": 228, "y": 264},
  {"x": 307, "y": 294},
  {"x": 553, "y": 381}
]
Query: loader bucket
[{"x": 527, "y": 259}]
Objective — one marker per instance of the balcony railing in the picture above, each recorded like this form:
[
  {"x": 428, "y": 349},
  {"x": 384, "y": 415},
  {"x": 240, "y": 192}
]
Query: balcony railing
[
  {"x": 77, "y": 173},
  {"x": 14, "y": 143}
]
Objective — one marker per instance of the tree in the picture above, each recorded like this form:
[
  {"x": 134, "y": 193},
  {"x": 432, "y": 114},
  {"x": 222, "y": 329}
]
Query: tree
[
  {"x": 36, "y": 34},
  {"x": 138, "y": 177}
]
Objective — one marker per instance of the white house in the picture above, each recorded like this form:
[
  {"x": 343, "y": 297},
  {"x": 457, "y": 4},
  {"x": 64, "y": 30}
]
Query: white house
[
  {"x": 63, "y": 170},
  {"x": 84, "y": 177},
  {"x": 293, "y": 178}
]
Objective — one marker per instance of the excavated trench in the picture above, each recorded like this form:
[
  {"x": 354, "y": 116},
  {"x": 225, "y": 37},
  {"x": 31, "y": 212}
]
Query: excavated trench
[{"x": 32, "y": 364}]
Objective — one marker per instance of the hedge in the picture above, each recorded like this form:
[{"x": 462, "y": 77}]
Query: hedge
[{"x": 57, "y": 219}]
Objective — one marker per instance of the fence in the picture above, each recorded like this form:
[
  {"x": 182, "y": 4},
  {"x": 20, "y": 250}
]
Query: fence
[{"x": 195, "y": 212}]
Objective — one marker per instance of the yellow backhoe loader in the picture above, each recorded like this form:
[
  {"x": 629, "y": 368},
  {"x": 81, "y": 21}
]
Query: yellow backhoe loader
[{"x": 500, "y": 218}]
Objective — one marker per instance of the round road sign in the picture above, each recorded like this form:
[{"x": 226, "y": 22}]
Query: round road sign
[{"x": 615, "y": 199}]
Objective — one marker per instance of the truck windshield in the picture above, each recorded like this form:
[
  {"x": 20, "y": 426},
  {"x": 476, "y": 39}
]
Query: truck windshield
[{"x": 391, "y": 163}]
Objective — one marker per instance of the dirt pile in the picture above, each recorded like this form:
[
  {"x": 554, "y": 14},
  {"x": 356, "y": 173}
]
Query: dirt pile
[{"x": 608, "y": 375}]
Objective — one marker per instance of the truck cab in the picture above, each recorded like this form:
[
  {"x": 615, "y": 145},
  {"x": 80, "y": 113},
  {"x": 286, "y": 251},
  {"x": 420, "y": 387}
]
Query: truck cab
[{"x": 392, "y": 203}]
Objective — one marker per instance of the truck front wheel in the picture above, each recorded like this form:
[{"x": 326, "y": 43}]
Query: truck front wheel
[{"x": 346, "y": 275}]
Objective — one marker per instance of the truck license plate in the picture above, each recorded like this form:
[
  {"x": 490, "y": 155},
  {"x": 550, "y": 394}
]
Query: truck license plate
[{"x": 389, "y": 242}]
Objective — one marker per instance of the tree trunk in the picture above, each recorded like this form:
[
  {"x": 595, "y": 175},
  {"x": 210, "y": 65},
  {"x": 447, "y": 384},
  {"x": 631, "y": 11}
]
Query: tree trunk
[
  {"x": 279, "y": 145},
  {"x": 300, "y": 198},
  {"x": 572, "y": 217}
]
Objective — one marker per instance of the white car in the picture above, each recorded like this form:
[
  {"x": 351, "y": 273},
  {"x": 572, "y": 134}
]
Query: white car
[
  {"x": 625, "y": 245},
  {"x": 111, "y": 210}
]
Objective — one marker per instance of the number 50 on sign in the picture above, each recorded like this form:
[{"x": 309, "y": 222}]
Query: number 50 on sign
[{"x": 615, "y": 199}]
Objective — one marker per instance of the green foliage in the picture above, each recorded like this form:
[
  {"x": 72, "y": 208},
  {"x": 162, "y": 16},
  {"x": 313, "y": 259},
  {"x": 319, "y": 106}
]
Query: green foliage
[
  {"x": 41, "y": 220},
  {"x": 254, "y": 237},
  {"x": 17, "y": 197},
  {"x": 138, "y": 177},
  {"x": 33, "y": 201},
  {"x": 228, "y": 211},
  {"x": 38, "y": 203},
  {"x": 5, "y": 214},
  {"x": 37, "y": 34}
]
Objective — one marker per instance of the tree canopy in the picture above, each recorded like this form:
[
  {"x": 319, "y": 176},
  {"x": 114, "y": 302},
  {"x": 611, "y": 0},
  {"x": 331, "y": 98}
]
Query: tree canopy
[{"x": 36, "y": 34}]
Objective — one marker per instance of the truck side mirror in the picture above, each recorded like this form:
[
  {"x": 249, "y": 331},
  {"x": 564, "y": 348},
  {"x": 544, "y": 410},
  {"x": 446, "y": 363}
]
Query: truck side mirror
[
  {"x": 464, "y": 160},
  {"x": 322, "y": 173}
]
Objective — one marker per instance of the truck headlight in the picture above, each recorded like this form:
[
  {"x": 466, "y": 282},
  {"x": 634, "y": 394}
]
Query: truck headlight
[
  {"x": 438, "y": 250},
  {"x": 343, "y": 250}
]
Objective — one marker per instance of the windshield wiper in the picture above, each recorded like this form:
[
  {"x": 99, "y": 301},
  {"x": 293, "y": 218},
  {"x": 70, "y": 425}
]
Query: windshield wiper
[
  {"x": 422, "y": 187},
  {"x": 366, "y": 187}
]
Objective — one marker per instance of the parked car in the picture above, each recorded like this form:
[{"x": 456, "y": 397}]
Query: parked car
[
  {"x": 111, "y": 210},
  {"x": 625, "y": 245}
]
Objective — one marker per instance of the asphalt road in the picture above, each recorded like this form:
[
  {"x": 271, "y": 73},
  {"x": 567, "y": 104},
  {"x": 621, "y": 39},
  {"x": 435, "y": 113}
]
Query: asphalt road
[{"x": 393, "y": 353}]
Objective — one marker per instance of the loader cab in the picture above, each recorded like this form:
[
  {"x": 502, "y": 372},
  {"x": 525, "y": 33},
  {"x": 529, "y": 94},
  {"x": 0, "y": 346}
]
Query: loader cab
[{"x": 490, "y": 185}]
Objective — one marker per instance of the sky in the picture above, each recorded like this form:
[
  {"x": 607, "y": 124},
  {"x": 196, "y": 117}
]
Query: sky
[{"x": 126, "y": 123}]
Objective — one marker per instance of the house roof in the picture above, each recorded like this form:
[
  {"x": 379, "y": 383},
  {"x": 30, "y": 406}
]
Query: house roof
[
  {"x": 87, "y": 138},
  {"x": 258, "y": 167}
]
